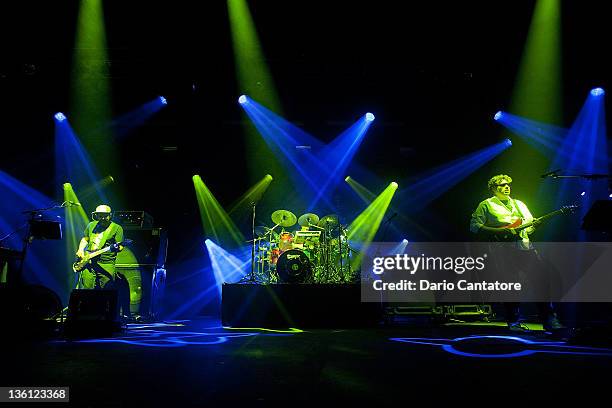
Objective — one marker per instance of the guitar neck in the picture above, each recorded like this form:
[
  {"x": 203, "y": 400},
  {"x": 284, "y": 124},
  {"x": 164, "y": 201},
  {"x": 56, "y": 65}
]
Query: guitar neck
[
  {"x": 98, "y": 252},
  {"x": 542, "y": 218}
]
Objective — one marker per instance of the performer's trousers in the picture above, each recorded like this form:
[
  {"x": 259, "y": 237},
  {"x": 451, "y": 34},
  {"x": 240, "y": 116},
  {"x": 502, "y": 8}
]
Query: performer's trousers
[{"x": 534, "y": 265}]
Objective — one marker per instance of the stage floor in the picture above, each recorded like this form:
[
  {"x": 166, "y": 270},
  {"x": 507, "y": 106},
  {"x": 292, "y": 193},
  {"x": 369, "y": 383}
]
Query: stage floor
[{"x": 198, "y": 362}]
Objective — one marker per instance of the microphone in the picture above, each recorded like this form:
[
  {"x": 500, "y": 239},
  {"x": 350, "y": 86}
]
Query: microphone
[{"x": 550, "y": 173}]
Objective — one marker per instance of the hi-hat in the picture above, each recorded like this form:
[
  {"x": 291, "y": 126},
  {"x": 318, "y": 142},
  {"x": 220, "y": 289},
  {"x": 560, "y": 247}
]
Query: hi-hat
[
  {"x": 309, "y": 218},
  {"x": 330, "y": 220},
  {"x": 284, "y": 218}
]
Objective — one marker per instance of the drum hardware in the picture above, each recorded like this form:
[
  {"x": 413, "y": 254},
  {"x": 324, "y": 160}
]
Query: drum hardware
[
  {"x": 251, "y": 277},
  {"x": 318, "y": 252}
]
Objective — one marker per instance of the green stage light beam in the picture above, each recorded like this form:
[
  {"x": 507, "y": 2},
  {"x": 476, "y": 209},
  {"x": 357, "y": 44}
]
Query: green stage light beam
[
  {"x": 252, "y": 195},
  {"x": 366, "y": 195},
  {"x": 255, "y": 80},
  {"x": 90, "y": 85},
  {"x": 537, "y": 93},
  {"x": 253, "y": 74},
  {"x": 215, "y": 221},
  {"x": 75, "y": 222},
  {"x": 92, "y": 190},
  {"x": 363, "y": 228}
]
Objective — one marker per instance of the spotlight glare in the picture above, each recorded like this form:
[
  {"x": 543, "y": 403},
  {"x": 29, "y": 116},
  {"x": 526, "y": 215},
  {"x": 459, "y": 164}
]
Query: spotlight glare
[
  {"x": 60, "y": 117},
  {"x": 498, "y": 115},
  {"x": 610, "y": 196},
  {"x": 394, "y": 184},
  {"x": 347, "y": 178},
  {"x": 269, "y": 176},
  {"x": 369, "y": 117},
  {"x": 583, "y": 193},
  {"x": 163, "y": 100},
  {"x": 404, "y": 241},
  {"x": 597, "y": 92},
  {"x": 508, "y": 142},
  {"x": 242, "y": 99}
]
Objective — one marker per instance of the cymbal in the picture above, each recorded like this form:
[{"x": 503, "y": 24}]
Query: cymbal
[
  {"x": 330, "y": 220},
  {"x": 309, "y": 218},
  {"x": 284, "y": 218}
]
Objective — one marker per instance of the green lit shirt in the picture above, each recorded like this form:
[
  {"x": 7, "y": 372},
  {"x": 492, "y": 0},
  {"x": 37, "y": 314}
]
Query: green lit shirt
[
  {"x": 100, "y": 238},
  {"x": 492, "y": 212}
]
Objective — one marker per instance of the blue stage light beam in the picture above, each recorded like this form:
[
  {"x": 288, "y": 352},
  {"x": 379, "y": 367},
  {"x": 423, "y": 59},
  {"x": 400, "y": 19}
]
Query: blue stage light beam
[
  {"x": 282, "y": 137},
  {"x": 127, "y": 122},
  {"x": 399, "y": 248},
  {"x": 41, "y": 264},
  {"x": 318, "y": 167},
  {"x": 584, "y": 151},
  {"x": 227, "y": 268},
  {"x": 199, "y": 300},
  {"x": 73, "y": 164},
  {"x": 544, "y": 137},
  {"x": 338, "y": 155},
  {"x": 585, "y": 148},
  {"x": 433, "y": 183}
]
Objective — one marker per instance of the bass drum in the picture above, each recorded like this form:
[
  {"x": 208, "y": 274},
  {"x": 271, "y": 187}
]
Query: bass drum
[{"x": 294, "y": 266}]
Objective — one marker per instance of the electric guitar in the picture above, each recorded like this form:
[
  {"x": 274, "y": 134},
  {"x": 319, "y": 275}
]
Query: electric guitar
[
  {"x": 82, "y": 263},
  {"x": 518, "y": 225}
]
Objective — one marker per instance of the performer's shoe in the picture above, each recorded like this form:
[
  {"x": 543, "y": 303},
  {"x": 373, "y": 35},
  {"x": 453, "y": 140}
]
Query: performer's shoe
[
  {"x": 518, "y": 327},
  {"x": 552, "y": 323}
]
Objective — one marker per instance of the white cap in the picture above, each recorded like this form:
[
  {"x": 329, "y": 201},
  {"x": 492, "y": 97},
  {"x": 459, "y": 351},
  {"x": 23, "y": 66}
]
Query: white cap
[{"x": 103, "y": 209}]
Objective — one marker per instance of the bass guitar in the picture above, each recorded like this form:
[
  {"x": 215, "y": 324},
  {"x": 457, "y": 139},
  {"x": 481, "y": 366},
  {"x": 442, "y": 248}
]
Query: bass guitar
[
  {"x": 82, "y": 263},
  {"x": 518, "y": 226}
]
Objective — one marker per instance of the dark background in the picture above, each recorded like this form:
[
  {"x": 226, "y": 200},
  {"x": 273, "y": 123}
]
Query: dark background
[{"x": 432, "y": 73}]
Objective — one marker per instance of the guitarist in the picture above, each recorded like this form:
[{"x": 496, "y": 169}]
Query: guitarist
[
  {"x": 101, "y": 274},
  {"x": 489, "y": 219},
  {"x": 495, "y": 212}
]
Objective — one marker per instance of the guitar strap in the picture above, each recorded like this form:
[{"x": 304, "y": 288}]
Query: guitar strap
[
  {"x": 105, "y": 234},
  {"x": 518, "y": 208}
]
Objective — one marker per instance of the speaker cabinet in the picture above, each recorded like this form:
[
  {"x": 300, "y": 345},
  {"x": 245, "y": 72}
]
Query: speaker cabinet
[
  {"x": 149, "y": 247},
  {"x": 146, "y": 285},
  {"x": 92, "y": 313}
]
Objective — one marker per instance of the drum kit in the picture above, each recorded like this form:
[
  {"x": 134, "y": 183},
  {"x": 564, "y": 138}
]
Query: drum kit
[{"x": 316, "y": 252}]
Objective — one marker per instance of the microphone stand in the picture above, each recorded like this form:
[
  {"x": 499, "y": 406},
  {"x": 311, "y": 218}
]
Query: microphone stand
[
  {"x": 252, "y": 277},
  {"x": 27, "y": 240},
  {"x": 589, "y": 177},
  {"x": 582, "y": 176}
]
